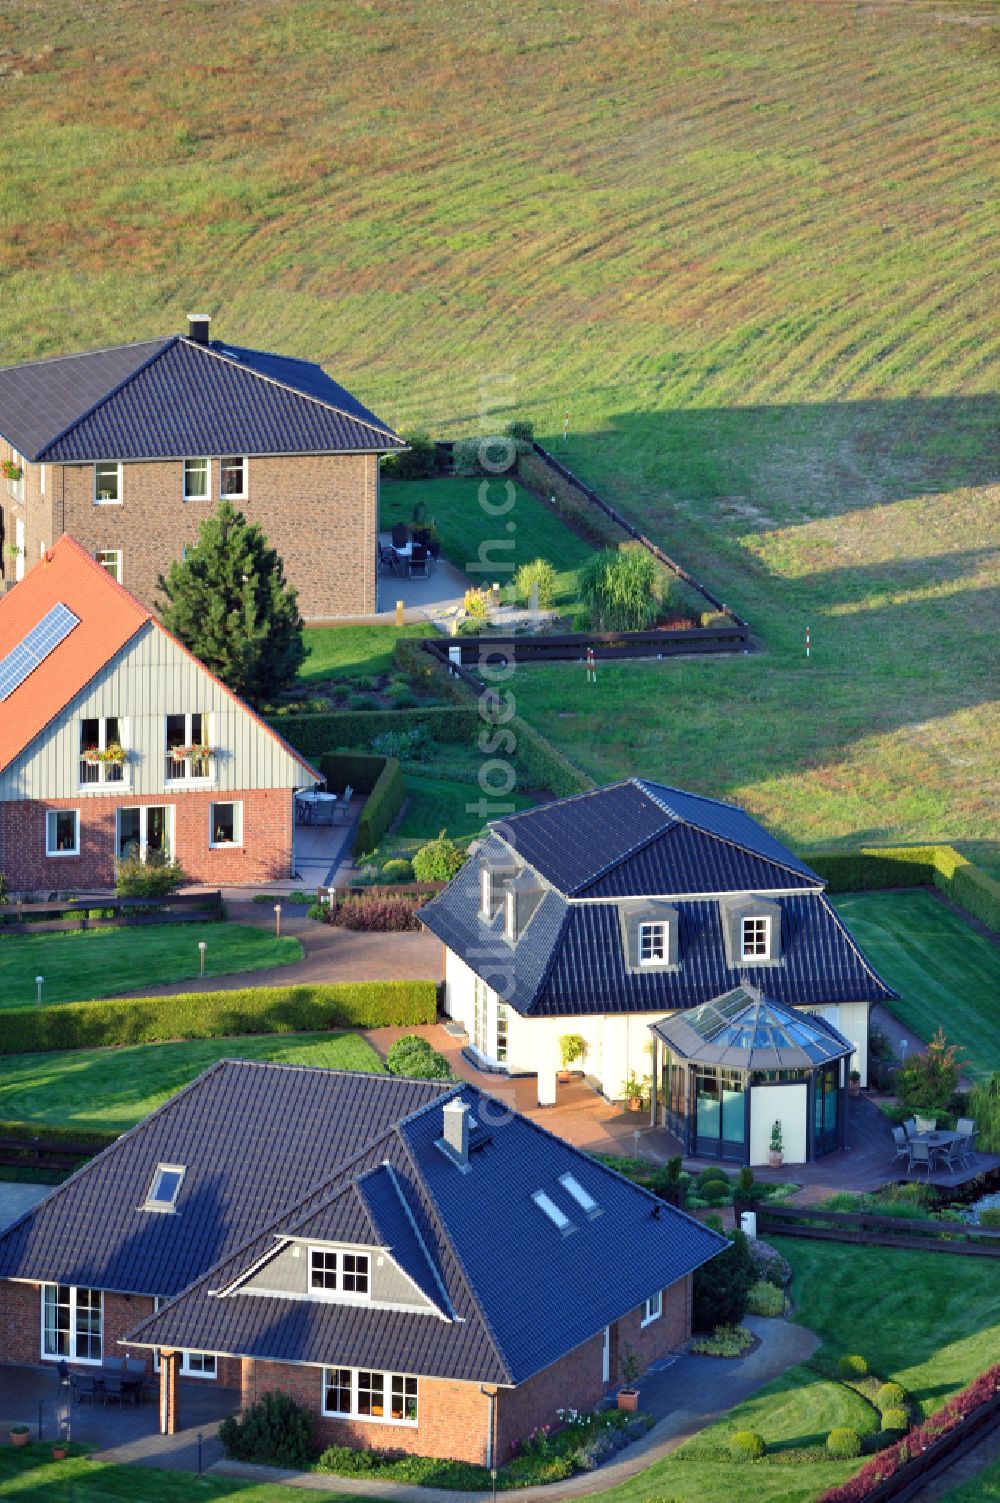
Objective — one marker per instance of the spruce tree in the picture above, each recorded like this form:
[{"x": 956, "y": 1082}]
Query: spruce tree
[{"x": 229, "y": 604}]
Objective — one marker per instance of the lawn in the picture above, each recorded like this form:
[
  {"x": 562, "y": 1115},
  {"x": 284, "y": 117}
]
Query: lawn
[
  {"x": 742, "y": 246},
  {"x": 114, "y": 1088},
  {"x": 352, "y": 651},
  {"x": 78, "y": 965},
  {"x": 31, "y": 1476},
  {"x": 469, "y": 532},
  {"x": 985, "y": 1488},
  {"x": 946, "y": 972}
]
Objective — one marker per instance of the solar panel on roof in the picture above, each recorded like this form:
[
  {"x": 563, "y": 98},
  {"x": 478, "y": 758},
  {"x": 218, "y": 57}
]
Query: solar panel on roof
[{"x": 54, "y": 627}]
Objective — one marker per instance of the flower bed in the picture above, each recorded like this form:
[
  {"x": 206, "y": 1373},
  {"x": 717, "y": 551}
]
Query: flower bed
[{"x": 888, "y": 1471}]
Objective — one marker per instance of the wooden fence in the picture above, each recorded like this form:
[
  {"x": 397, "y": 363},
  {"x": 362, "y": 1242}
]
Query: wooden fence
[
  {"x": 867, "y": 1229},
  {"x": 109, "y": 913},
  {"x": 51, "y": 1156}
]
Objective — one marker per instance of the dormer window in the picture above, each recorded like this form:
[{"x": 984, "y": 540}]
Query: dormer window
[
  {"x": 756, "y": 938},
  {"x": 165, "y": 1188},
  {"x": 334, "y": 1271},
  {"x": 654, "y": 943}
]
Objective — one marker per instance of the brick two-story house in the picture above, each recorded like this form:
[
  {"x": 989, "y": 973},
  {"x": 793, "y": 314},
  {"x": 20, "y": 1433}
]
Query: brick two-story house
[
  {"x": 426, "y": 1269},
  {"x": 115, "y": 739},
  {"x": 128, "y": 449}
]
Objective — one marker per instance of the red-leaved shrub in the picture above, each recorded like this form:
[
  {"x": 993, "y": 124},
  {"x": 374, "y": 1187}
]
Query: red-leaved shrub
[{"x": 376, "y": 915}]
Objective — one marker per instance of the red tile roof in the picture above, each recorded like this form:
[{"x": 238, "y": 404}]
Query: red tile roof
[{"x": 108, "y": 618}]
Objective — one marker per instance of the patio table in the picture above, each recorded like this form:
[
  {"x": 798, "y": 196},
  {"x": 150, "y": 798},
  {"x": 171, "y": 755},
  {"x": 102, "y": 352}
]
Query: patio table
[
  {"x": 316, "y": 808},
  {"x": 940, "y": 1138}
]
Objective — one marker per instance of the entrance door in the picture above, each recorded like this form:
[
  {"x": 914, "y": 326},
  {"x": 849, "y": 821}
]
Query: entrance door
[
  {"x": 719, "y": 1117},
  {"x": 489, "y": 1025},
  {"x": 19, "y": 544},
  {"x": 144, "y": 829}
]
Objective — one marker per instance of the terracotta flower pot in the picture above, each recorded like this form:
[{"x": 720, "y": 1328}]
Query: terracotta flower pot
[
  {"x": 628, "y": 1399},
  {"x": 59, "y": 1453},
  {"x": 562, "y": 1076},
  {"x": 19, "y": 1437},
  {"x": 635, "y": 1103},
  {"x": 774, "y": 1158}
]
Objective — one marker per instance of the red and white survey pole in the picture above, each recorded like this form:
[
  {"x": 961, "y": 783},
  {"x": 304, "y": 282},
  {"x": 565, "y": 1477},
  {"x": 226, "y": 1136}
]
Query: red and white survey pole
[{"x": 591, "y": 666}]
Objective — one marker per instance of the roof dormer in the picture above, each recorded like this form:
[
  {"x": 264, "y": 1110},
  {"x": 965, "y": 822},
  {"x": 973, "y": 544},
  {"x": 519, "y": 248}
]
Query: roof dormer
[
  {"x": 751, "y": 930},
  {"x": 521, "y": 897},
  {"x": 650, "y": 940},
  {"x": 496, "y": 872}
]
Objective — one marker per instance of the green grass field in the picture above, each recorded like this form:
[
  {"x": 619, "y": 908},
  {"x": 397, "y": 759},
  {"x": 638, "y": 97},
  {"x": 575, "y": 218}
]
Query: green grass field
[
  {"x": 114, "y": 1088},
  {"x": 746, "y": 247},
  {"x": 31, "y": 1476},
  {"x": 351, "y": 651},
  {"x": 985, "y": 1488},
  {"x": 946, "y": 972},
  {"x": 106, "y": 962}
]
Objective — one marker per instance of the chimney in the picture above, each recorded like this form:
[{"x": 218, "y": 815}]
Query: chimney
[
  {"x": 198, "y": 327},
  {"x": 521, "y": 898},
  {"x": 455, "y": 1139}
]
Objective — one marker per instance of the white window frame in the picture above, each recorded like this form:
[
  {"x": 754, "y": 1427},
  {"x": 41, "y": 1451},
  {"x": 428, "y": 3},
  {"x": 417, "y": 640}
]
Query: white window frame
[
  {"x": 663, "y": 944},
  {"x": 188, "y": 778},
  {"x": 235, "y": 495},
  {"x": 193, "y": 459},
  {"x": 100, "y": 554},
  {"x": 101, "y": 783},
  {"x": 202, "y": 1371},
  {"x": 153, "y": 1202},
  {"x": 755, "y": 919},
  {"x": 652, "y": 1308},
  {"x": 387, "y": 1383},
  {"x": 106, "y": 464},
  {"x": 337, "y": 1291},
  {"x": 554, "y": 1213},
  {"x": 53, "y": 814},
  {"x": 144, "y": 829},
  {"x": 71, "y": 1355},
  {"x": 226, "y": 845}
]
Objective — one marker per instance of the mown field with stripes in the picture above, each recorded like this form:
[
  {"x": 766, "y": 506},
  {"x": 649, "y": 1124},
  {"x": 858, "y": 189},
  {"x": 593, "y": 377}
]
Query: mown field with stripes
[{"x": 749, "y": 247}]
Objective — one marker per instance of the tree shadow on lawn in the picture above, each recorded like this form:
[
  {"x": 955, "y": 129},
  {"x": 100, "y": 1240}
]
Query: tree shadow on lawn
[{"x": 802, "y": 458}]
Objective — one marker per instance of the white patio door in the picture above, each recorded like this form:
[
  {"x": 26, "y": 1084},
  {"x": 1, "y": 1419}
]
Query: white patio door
[
  {"x": 606, "y": 1356},
  {"x": 489, "y": 1024}
]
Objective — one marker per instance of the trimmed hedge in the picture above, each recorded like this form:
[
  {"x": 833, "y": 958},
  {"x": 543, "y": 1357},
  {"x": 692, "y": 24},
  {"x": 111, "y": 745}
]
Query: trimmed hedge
[
  {"x": 381, "y": 807},
  {"x": 539, "y": 765},
  {"x": 427, "y": 671},
  {"x": 50, "y": 1136},
  {"x": 309, "y": 1008},
  {"x": 570, "y": 503},
  {"x": 360, "y": 769},
  {"x": 314, "y": 735},
  {"x": 940, "y": 866}
]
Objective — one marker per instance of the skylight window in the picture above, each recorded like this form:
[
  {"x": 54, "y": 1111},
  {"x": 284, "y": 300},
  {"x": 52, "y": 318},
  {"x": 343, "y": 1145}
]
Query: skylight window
[
  {"x": 583, "y": 1197},
  {"x": 548, "y": 1207},
  {"x": 164, "y": 1190}
]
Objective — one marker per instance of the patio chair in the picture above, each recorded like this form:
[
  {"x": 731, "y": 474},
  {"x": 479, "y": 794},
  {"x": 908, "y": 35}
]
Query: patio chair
[
  {"x": 419, "y": 562},
  {"x": 114, "y": 1364},
  {"x": 84, "y": 1388},
  {"x": 967, "y": 1147},
  {"x": 910, "y": 1127},
  {"x": 400, "y": 535},
  {"x": 344, "y": 806},
  {"x": 386, "y": 558},
  {"x": 112, "y": 1388},
  {"x": 965, "y": 1125},
  {"x": 920, "y": 1154},
  {"x": 902, "y": 1147},
  {"x": 950, "y": 1154}
]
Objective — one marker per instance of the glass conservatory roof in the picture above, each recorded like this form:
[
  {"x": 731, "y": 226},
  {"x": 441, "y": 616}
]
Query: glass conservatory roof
[{"x": 744, "y": 1030}]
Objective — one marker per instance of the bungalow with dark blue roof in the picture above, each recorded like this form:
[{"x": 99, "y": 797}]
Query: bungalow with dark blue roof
[
  {"x": 129, "y": 448},
  {"x": 426, "y": 1269},
  {"x": 594, "y": 917}
]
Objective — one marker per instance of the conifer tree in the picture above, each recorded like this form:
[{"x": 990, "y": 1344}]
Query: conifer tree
[{"x": 228, "y": 602}]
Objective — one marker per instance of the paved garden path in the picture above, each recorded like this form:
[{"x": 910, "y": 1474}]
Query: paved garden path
[{"x": 684, "y": 1394}]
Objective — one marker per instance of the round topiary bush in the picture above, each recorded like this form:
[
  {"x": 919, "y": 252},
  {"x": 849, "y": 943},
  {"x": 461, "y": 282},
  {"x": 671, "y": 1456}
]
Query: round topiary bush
[
  {"x": 890, "y": 1396},
  {"x": 843, "y": 1444},
  {"x": 852, "y": 1366},
  {"x": 714, "y": 1192},
  {"x": 397, "y": 870},
  {"x": 895, "y": 1419},
  {"x": 438, "y": 860},
  {"x": 714, "y": 1172},
  {"x": 746, "y": 1445}
]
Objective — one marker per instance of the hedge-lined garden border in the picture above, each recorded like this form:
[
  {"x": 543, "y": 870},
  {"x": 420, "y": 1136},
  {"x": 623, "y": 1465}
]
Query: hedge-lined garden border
[
  {"x": 940, "y": 866},
  {"x": 315, "y": 735},
  {"x": 308, "y": 1008},
  {"x": 381, "y": 807}
]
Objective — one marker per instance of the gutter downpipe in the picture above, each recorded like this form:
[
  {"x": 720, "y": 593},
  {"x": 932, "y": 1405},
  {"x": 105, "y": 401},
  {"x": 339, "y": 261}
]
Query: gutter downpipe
[{"x": 491, "y": 1436}]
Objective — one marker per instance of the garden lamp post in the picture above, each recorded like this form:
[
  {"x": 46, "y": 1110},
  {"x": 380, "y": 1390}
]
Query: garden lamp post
[
  {"x": 202, "y": 947},
  {"x": 277, "y": 920},
  {"x": 39, "y": 980}
]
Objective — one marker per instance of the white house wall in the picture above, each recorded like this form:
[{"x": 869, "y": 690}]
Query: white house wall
[
  {"x": 778, "y": 1103},
  {"x": 850, "y": 1019},
  {"x": 150, "y": 678}
]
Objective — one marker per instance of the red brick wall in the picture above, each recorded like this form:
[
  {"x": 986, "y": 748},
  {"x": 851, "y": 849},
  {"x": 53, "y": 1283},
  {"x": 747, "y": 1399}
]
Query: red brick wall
[
  {"x": 319, "y": 511},
  {"x": 265, "y": 855},
  {"x": 21, "y": 1323}
]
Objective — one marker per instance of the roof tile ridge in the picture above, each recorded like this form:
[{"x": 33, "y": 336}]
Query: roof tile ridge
[
  {"x": 570, "y": 798},
  {"x": 163, "y": 347},
  {"x": 128, "y": 1133},
  {"x": 543, "y": 980},
  {"x": 737, "y": 845},
  {"x": 104, "y": 349},
  {"x": 448, "y": 1306},
  {"x": 442, "y": 1227},
  {"x": 306, "y": 396}
]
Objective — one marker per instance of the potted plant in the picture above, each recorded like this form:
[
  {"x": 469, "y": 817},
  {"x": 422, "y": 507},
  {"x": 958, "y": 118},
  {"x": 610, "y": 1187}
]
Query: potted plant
[
  {"x": 774, "y": 1152},
  {"x": 60, "y": 1450},
  {"x": 855, "y": 1079},
  {"x": 628, "y": 1394},
  {"x": 19, "y": 1435},
  {"x": 571, "y": 1048},
  {"x": 634, "y": 1091},
  {"x": 11, "y": 469}
]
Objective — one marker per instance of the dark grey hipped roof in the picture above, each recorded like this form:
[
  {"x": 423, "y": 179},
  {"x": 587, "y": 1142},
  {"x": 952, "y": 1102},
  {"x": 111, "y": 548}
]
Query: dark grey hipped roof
[
  {"x": 174, "y": 397},
  {"x": 744, "y": 1030}
]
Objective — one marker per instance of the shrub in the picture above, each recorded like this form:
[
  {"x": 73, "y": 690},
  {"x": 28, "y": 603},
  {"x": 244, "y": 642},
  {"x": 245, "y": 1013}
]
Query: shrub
[
  {"x": 746, "y": 1445},
  {"x": 522, "y": 431},
  {"x": 275, "y": 1429},
  {"x": 843, "y": 1443},
  {"x": 476, "y": 604},
  {"x": 895, "y": 1419},
  {"x": 722, "y": 1286},
  {"x": 153, "y": 878},
  {"x": 320, "y": 735},
  {"x": 465, "y": 457},
  {"x": 318, "y": 911},
  {"x": 413, "y": 1056},
  {"x": 618, "y": 587},
  {"x": 309, "y": 1007},
  {"x": 420, "y": 463},
  {"x": 890, "y": 1396},
  {"x": 767, "y": 1263},
  {"x": 540, "y": 575},
  {"x": 411, "y": 743},
  {"x": 927, "y": 1081},
  {"x": 765, "y": 1299},
  {"x": 990, "y": 1217},
  {"x": 360, "y": 703},
  {"x": 381, "y": 806},
  {"x": 540, "y": 765},
  {"x": 984, "y": 1109},
  {"x": 438, "y": 860},
  {"x": 397, "y": 870},
  {"x": 852, "y": 1366},
  {"x": 493, "y": 455},
  {"x": 370, "y": 914},
  {"x": 715, "y": 1192},
  {"x": 725, "y": 1341},
  {"x": 713, "y": 1172}
]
